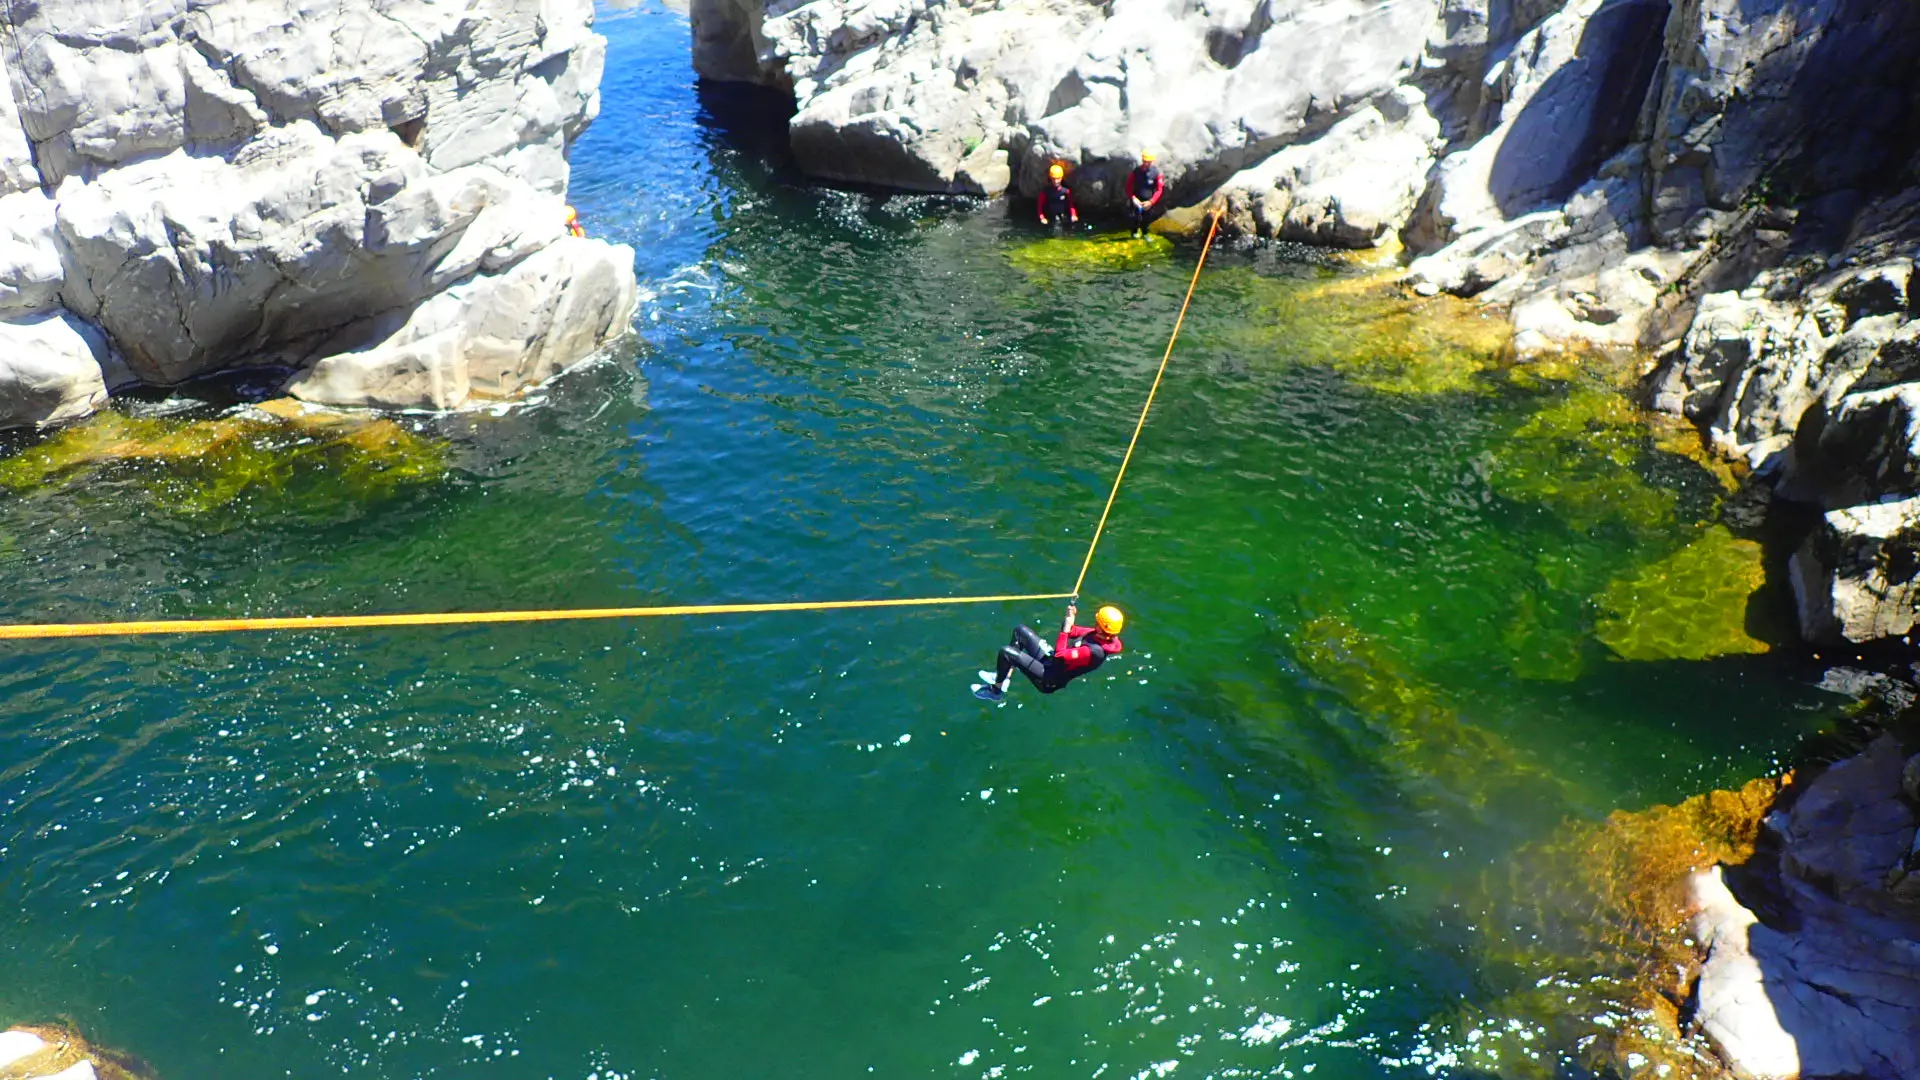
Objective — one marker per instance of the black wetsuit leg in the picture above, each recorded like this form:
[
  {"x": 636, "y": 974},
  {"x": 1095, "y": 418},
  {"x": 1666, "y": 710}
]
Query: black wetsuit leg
[
  {"x": 1026, "y": 652},
  {"x": 1012, "y": 658},
  {"x": 1029, "y": 642}
]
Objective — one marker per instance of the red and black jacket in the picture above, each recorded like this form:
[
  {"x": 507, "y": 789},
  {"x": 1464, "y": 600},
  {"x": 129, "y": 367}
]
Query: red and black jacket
[
  {"x": 1078, "y": 654},
  {"x": 1056, "y": 203},
  {"x": 1146, "y": 184}
]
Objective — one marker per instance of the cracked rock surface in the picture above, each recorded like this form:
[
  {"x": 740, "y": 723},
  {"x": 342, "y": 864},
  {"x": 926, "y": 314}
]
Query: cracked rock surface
[
  {"x": 192, "y": 187},
  {"x": 1827, "y": 983}
]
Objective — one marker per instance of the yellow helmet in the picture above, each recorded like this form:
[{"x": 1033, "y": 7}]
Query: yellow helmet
[
  {"x": 572, "y": 215},
  {"x": 1148, "y": 155},
  {"x": 1056, "y": 170},
  {"x": 1109, "y": 619}
]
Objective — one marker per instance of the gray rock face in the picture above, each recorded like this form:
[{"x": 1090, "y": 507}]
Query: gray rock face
[
  {"x": 52, "y": 368},
  {"x": 1829, "y": 984},
  {"x": 1854, "y": 578},
  {"x": 259, "y": 182},
  {"x": 487, "y": 338},
  {"x": 1353, "y": 187},
  {"x": 931, "y": 97}
]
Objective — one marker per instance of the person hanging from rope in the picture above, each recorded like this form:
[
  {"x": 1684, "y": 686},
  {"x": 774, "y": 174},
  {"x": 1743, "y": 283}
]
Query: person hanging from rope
[
  {"x": 1145, "y": 186},
  {"x": 1077, "y": 651},
  {"x": 1056, "y": 200}
]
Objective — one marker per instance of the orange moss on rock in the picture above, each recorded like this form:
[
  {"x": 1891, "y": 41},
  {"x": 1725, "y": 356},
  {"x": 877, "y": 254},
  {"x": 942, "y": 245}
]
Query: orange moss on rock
[{"x": 1590, "y": 927}]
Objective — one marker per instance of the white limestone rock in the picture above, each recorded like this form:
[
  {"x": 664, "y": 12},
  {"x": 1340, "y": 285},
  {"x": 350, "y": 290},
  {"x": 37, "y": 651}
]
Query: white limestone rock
[
  {"x": 52, "y": 368},
  {"x": 1855, "y": 577},
  {"x": 17, "y": 171},
  {"x": 487, "y": 338},
  {"x": 923, "y": 95},
  {"x": 30, "y": 268},
  {"x": 1353, "y": 187},
  {"x": 17, "y": 1045},
  {"x": 234, "y": 181}
]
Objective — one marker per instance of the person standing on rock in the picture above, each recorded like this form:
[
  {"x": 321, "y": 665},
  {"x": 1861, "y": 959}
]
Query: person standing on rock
[
  {"x": 1145, "y": 186},
  {"x": 1056, "y": 200},
  {"x": 1077, "y": 651}
]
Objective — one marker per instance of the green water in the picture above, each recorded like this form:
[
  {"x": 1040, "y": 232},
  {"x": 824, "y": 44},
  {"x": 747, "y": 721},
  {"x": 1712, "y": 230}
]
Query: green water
[{"x": 793, "y": 845}]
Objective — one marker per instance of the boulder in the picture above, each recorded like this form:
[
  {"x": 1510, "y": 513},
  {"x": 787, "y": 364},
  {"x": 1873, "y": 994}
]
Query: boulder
[
  {"x": 1352, "y": 187},
  {"x": 489, "y": 337},
  {"x": 1854, "y": 577},
  {"x": 52, "y": 368},
  {"x": 1828, "y": 983},
  {"x": 921, "y": 95},
  {"x": 1477, "y": 261},
  {"x": 30, "y": 268},
  {"x": 1863, "y": 449},
  {"x": 244, "y": 182}
]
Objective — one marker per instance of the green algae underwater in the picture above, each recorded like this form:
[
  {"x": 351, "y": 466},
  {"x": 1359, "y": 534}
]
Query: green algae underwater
[{"x": 1410, "y": 623}]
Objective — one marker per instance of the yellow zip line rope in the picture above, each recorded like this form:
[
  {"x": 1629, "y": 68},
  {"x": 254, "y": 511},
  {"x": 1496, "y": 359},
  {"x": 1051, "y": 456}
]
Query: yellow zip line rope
[
  {"x": 1131, "y": 443},
  {"x": 455, "y": 618},
  {"x": 468, "y": 618}
]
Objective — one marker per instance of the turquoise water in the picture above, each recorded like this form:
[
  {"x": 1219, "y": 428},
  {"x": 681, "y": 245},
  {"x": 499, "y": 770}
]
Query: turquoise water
[{"x": 793, "y": 845}]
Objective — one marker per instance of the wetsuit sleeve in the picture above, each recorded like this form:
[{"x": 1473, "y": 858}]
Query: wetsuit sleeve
[{"x": 1159, "y": 188}]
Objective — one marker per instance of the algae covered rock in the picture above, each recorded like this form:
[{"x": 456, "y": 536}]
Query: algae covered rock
[
  {"x": 1691, "y": 605},
  {"x": 1579, "y": 456},
  {"x": 302, "y": 463},
  {"x": 1102, "y": 253},
  {"x": 1416, "y": 733},
  {"x": 1364, "y": 327},
  {"x": 1589, "y": 930}
]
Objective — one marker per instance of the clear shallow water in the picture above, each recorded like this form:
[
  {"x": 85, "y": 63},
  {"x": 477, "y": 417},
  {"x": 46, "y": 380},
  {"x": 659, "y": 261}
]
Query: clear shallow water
[{"x": 792, "y": 845}]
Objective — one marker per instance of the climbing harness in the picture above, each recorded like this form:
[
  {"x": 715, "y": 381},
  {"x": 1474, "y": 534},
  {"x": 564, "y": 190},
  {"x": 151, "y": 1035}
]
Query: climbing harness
[{"x": 466, "y": 618}]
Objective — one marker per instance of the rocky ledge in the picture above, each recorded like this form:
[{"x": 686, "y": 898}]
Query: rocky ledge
[
  {"x": 368, "y": 198},
  {"x": 1811, "y": 950}
]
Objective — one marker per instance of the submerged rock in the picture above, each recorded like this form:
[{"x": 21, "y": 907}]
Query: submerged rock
[
  {"x": 1589, "y": 931},
  {"x": 262, "y": 183},
  {"x": 1578, "y": 456},
  {"x": 1691, "y": 605},
  {"x": 281, "y": 460}
]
